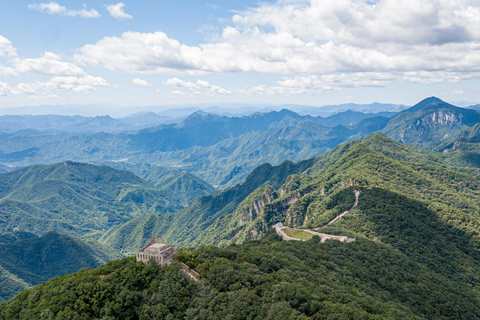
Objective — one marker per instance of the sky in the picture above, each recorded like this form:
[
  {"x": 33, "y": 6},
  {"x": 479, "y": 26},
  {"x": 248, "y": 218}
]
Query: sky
[{"x": 318, "y": 52}]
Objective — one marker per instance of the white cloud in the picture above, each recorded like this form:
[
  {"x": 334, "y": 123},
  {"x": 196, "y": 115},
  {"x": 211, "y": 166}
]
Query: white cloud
[
  {"x": 407, "y": 38},
  {"x": 7, "y": 71},
  {"x": 326, "y": 83},
  {"x": 6, "y": 48},
  {"x": 218, "y": 90},
  {"x": 117, "y": 11},
  {"x": 54, "y": 8},
  {"x": 193, "y": 86},
  {"x": 76, "y": 84},
  {"x": 141, "y": 82},
  {"x": 5, "y": 89},
  {"x": 175, "y": 82},
  {"x": 55, "y": 84},
  {"x": 179, "y": 93},
  {"x": 49, "y": 64}
]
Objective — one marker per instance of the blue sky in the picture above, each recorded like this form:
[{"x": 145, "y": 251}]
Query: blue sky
[{"x": 271, "y": 52}]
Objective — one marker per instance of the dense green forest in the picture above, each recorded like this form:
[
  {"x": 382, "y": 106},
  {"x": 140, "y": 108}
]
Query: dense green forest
[
  {"x": 263, "y": 279},
  {"x": 27, "y": 260},
  {"x": 185, "y": 225},
  {"x": 84, "y": 200}
]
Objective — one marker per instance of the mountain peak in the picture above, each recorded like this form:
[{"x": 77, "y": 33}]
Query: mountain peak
[{"x": 425, "y": 102}]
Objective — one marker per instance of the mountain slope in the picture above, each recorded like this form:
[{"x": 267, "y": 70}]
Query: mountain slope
[
  {"x": 179, "y": 183},
  {"x": 183, "y": 226},
  {"x": 376, "y": 161},
  {"x": 230, "y": 161},
  {"x": 267, "y": 279},
  {"x": 428, "y": 122},
  {"x": 30, "y": 262},
  {"x": 76, "y": 198}
]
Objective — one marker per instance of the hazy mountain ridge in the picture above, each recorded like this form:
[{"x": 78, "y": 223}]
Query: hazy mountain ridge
[
  {"x": 220, "y": 150},
  {"x": 14, "y": 123}
]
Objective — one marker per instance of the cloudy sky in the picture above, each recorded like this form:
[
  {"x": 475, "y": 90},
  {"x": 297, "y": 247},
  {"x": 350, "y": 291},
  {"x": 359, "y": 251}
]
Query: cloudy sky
[{"x": 271, "y": 52}]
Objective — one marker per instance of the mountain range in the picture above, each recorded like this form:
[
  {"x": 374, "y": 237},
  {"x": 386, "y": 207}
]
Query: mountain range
[
  {"x": 415, "y": 222},
  {"x": 416, "y": 252},
  {"x": 221, "y": 150},
  {"x": 83, "y": 199}
]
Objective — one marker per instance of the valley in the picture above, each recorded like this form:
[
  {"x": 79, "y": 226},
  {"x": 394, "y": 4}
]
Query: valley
[{"x": 377, "y": 219}]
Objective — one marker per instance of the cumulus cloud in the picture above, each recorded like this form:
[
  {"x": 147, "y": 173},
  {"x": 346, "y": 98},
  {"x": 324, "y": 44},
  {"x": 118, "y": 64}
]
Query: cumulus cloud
[
  {"x": 76, "y": 84},
  {"x": 322, "y": 37},
  {"x": 7, "y": 71},
  {"x": 117, "y": 11},
  {"x": 50, "y": 64},
  {"x": 194, "y": 86},
  {"x": 6, "y": 48},
  {"x": 141, "y": 82},
  {"x": 54, "y": 8},
  {"x": 5, "y": 89}
]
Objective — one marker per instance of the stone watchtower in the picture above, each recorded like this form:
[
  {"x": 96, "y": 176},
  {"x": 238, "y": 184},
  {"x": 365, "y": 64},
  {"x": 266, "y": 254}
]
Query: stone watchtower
[{"x": 157, "y": 250}]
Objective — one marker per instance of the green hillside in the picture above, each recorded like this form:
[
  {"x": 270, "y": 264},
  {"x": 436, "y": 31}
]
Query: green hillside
[
  {"x": 245, "y": 211},
  {"x": 314, "y": 197},
  {"x": 266, "y": 279},
  {"x": 416, "y": 253},
  {"x": 30, "y": 262},
  {"x": 76, "y": 198},
  {"x": 179, "y": 183},
  {"x": 183, "y": 226}
]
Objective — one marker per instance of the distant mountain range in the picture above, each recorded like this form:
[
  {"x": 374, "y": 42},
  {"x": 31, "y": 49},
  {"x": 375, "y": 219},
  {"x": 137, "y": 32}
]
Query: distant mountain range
[
  {"x": 182, "y": 111},
  {"x": 221, "y": 150},
  {"x": 429, "y": 122},
  {"x": 14, "y": 123}
]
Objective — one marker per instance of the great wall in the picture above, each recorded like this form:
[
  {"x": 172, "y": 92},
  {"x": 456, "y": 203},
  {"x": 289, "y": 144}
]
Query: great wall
[{"x": 280, "y": 228}]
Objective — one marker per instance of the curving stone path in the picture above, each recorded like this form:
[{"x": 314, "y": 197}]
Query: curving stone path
[
  {"x": 190, "y": 272},
  {"x": 357, "y": 195},
  {"x": 279, "y": 227}
]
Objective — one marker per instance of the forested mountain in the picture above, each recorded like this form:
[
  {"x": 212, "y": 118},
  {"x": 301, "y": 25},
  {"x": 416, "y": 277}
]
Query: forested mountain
[
  {"x": 416, "y": 223},
  {"x": 81, "y": 199},
  {"x": 306, "y": 198},
  {"x": 221, "y": 150},
  {"x": 179, "y": 183},
  {"x": 309, "y": 200},
  {"x": 430, "y": 121},
  {"x": 183, "y": 226},
  {"x": 267, "y": 279},
  {"x": 33, "y": 260},
  {"x": 416, "y": 226}
]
